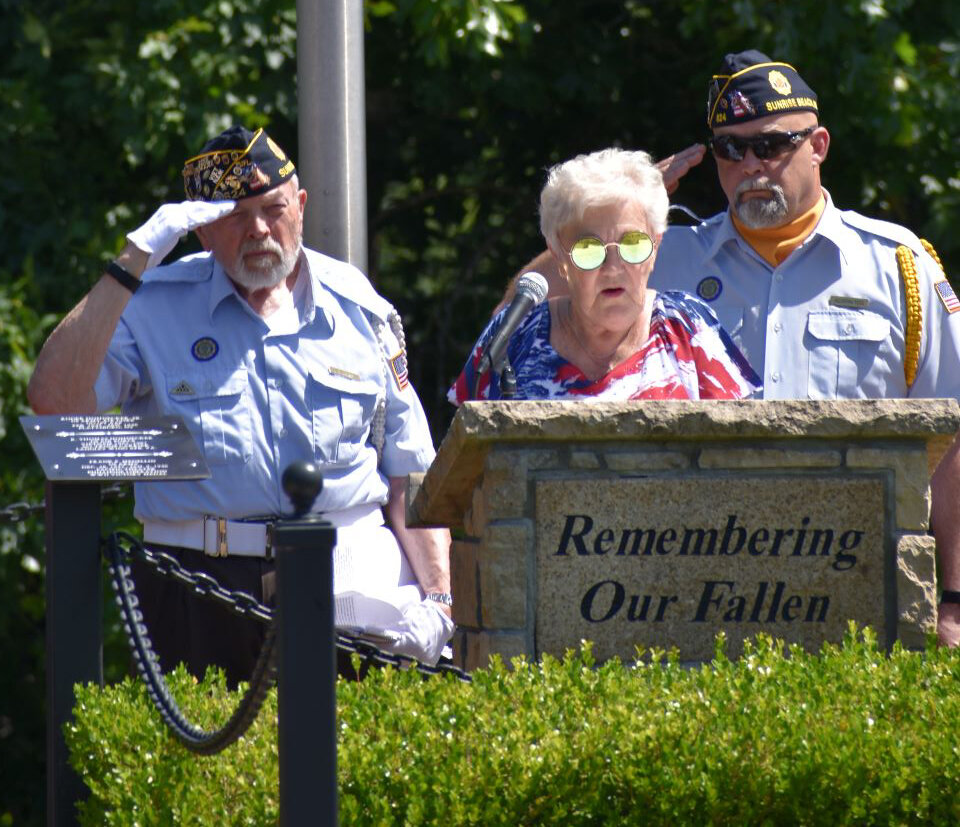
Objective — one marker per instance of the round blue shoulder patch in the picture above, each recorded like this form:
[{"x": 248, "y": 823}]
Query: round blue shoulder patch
[
  {"x": 204, "y": 349},
  {"x": 709, "y": 288}
]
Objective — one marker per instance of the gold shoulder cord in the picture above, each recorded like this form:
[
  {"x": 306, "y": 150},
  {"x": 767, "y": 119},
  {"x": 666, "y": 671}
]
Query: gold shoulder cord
[{"x": 911, "y": 289}]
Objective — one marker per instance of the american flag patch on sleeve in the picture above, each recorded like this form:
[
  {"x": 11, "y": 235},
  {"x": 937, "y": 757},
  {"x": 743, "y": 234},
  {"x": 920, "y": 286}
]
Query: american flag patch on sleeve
[
  {"x": 947, "y": 296},
  {"x": 398, "y": 364}
]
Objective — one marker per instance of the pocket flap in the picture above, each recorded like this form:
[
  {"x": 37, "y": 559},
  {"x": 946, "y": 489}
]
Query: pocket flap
[
  {"x": 843, "y": 325},
  {"x": 353, "y": 386},
  {"x": 186, "y": 385}
]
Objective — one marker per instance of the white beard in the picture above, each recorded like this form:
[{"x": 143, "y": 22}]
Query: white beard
[
  {"x": 270, "y": 275},
  {"x": 759, "y": 213}
]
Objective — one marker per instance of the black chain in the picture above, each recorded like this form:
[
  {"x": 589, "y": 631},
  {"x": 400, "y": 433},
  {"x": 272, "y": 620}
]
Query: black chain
[
  {"x": 245, "y": 605},
  {"x": 192, "y": 737},
  {"x": 19, "y": 512},
  {"x": 22, "y": 511}
]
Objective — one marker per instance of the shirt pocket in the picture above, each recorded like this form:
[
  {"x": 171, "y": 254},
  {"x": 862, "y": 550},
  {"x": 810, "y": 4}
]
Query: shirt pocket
[
  {"x": 843, "y": 346},
  {"x": 342, "y": 410},
  {"x": 219, "y": 402}
]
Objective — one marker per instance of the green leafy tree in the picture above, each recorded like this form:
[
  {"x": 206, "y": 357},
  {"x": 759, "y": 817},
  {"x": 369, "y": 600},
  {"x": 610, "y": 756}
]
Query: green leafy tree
[{"x": 468, "y": 102}]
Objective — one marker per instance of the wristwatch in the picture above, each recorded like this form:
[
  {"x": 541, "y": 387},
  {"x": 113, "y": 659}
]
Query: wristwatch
[{"x": 440, "y": 597}]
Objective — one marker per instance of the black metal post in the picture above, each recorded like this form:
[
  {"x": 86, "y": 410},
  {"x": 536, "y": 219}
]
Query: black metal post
[
  {"x": 74, "y": 628},
  {"x": 306, "y": 687}
]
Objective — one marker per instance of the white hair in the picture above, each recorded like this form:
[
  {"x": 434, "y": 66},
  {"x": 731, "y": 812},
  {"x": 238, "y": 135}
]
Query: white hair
[{"x": 597, "y": 179}]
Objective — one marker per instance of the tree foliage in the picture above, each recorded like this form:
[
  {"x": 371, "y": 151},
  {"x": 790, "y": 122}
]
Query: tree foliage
[{"x": 468, "y": 102}]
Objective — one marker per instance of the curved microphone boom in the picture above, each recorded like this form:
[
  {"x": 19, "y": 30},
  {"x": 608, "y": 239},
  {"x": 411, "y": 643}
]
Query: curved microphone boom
[{"x": 531, "y": 290}]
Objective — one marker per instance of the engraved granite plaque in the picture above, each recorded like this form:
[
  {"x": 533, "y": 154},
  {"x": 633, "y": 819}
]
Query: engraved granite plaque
[
  {"x": 114, "y": 447},
  {"x": 672, "y": 562}
]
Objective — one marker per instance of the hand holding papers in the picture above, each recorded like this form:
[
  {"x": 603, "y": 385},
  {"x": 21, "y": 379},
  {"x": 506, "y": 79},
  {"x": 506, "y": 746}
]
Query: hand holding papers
[{"x": 370, "y": 603}]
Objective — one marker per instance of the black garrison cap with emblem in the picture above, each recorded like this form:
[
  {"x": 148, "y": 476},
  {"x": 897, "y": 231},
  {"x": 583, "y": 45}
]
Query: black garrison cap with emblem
[
  {"x": 236, "y": 164},
  {"x": 750, "y": 85}
]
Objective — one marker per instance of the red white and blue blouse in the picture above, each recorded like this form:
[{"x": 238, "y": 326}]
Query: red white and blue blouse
[{"x": 687, "y": 355}]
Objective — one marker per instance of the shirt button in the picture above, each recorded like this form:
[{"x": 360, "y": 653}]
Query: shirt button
[
  {"x": 849, "y": 328},
  {"x": 777, "y": 327},
  {"x": 775, "y": 376},
  {"x": 282, "y": 433},
  {"x": 778, "y": 277}
]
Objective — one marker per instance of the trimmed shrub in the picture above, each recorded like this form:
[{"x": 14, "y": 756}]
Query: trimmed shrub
[{"x": 851, "y": 735}]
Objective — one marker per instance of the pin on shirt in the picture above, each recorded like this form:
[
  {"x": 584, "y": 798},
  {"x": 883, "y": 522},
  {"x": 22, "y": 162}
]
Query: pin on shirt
[
  {"x": 851, "y": 302},
  {"x": 709, "y": 288},
  {"x": 947, "y": 296},
  {"x": 204, "y": 349}
]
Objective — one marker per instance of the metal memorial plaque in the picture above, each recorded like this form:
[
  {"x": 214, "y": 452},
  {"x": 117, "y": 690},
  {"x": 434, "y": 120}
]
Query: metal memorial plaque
[
  {"x": 672, "y": 562},
  {"x": 114, "y": 447}
]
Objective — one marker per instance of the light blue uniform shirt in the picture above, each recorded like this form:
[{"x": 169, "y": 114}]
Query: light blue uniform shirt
[
  {"x": 830, "y": 321},
  {"x": 256, "y": 401}
]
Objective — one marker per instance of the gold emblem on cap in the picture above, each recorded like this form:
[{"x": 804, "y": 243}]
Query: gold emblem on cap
[{"x": 778, "y": 80}]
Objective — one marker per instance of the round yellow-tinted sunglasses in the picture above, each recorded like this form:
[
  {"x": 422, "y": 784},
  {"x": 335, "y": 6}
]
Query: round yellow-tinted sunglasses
[{"x": 588, "y": 253}]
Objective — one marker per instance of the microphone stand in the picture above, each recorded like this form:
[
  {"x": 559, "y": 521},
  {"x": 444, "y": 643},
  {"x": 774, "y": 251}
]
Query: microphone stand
[
  {"x": 508, "y": 381},
  {"x": 505, "y": 376}
]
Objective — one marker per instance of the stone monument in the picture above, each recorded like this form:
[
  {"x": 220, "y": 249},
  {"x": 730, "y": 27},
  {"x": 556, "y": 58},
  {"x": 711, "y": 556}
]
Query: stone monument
[{"x": 661, "y": 524}]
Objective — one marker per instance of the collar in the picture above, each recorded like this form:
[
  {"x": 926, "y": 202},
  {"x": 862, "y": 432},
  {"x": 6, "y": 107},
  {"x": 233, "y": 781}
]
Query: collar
[
  {"x": 829, "y": 226},
  {"x": 222, "y": 288},
  {"x": 774, "y": 244}
]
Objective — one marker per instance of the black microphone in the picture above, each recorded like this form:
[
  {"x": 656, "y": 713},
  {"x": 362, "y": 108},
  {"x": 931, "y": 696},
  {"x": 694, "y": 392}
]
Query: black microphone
[{"x": 531, "y": 290}]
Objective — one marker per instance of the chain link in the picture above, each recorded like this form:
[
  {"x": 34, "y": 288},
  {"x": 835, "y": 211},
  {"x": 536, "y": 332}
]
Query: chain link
[
  {"x": 19, "y": 512},
  {"x": 245, "y": 605},
  {"x": 192, "y": 737},
  {"x": 22, "y": 511},
  {"x": 240, "y": 602}
]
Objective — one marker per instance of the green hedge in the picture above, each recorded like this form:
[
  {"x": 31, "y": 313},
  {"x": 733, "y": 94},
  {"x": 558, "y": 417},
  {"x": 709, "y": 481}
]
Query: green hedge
[{"x": 851, "y": 735}]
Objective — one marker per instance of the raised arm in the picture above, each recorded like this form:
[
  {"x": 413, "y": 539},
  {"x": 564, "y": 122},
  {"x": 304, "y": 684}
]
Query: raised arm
[
  {"x": 70, "y": 360},
  {"x": 68, "y": 365}
]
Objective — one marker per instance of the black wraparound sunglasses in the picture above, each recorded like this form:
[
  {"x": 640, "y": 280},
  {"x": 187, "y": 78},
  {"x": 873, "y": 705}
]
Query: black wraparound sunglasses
[{"x": 766, "y": 145}]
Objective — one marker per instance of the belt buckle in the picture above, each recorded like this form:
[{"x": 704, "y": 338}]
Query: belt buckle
[
  {"x": 268, "y": 551},
  {"x": 220, "y": 546},
  {"x": 221, "y": 537}
]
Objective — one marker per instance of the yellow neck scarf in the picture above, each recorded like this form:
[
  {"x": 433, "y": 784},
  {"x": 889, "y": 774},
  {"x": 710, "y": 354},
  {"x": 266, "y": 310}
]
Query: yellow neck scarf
[{"x": 774, "y": 244}]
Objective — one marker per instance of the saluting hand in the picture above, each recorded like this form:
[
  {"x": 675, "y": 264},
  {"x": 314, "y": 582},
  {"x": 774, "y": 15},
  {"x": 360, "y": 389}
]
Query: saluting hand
[
  {"x": 159, "y": 235},
  {"x": 675, "y": 166}
]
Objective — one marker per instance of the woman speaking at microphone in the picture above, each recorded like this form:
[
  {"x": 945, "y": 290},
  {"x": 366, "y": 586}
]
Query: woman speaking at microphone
[{"x": 612, "y": 337}]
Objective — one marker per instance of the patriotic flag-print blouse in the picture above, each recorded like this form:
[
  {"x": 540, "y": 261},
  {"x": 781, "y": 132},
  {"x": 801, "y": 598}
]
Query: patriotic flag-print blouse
[{"x": 688, "y": 355}]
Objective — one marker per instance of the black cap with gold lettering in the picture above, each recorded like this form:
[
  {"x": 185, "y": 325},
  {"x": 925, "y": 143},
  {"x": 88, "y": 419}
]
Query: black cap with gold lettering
[
  {"x": 236, "y": 164},
  {"x": 750, "y": 85}
]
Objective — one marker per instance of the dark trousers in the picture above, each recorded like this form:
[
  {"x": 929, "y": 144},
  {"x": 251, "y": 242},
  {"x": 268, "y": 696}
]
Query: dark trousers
[{"x": 201, "y": 632}]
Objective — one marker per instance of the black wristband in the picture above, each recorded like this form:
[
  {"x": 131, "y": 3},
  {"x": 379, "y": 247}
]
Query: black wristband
[
  {"x": 127, "y": 279},
  {"x": 949, "y": 596}
]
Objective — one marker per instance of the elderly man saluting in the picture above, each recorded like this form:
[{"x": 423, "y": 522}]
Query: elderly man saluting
[
  {"x": 271, "y": 353},
  {"x": 824, "y": 303}
]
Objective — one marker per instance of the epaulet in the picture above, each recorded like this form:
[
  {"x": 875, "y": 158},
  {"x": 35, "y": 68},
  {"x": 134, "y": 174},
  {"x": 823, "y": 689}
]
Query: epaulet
[
  {"x": 193, "y": 268},
  {"x": 895, "y": 233},
  {"x": 347, "y": 281}
]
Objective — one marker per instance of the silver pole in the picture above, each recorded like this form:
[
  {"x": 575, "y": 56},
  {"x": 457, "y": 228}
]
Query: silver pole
[{"x": 332, "y": 127}]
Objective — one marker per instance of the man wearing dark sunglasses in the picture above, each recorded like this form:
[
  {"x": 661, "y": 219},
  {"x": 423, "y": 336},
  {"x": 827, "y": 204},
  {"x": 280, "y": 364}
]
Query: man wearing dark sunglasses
[{"x": 824, "y": 303}]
